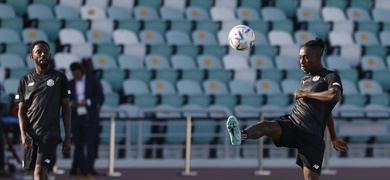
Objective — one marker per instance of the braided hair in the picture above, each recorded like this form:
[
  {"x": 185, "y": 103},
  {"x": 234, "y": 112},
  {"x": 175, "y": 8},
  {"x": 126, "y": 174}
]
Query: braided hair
[{"x": 317, "y": 43}]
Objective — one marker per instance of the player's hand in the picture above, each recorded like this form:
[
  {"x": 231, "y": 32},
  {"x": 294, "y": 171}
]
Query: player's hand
[
  {"x": 339, "y": 145},
  {"x": 66, "y": 147},
  {"x": 26, "y": 142},
  {"x": 299, "y": 94}
]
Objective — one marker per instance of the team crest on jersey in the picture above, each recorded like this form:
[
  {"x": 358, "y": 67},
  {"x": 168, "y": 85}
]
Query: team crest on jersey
[
  {"x": 50, "y": 82},
  {"x": 316, "y": 78}
]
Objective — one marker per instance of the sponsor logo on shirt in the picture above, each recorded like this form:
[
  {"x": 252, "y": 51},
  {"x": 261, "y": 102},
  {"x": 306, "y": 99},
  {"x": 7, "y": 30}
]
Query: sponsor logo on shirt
[
  {"x": 316, "y": 78},
  {"x": 50, "y": 82},
  {"x": 30, "y": 84}
]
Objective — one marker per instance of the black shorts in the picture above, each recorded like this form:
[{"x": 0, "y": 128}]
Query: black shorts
[
  {"x": 310, "y": 147},
  {"x": 43, "y": 152}
]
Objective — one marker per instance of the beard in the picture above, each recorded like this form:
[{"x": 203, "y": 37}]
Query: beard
[{"x": 42, "y": 65}]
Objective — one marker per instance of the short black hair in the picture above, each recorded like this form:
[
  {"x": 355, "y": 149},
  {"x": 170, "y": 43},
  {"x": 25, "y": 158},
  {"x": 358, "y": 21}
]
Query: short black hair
[
  {"x": 38, "y": 42},
  {"x": 317, "y": 43},
  {"x": 77, "y": 66}
]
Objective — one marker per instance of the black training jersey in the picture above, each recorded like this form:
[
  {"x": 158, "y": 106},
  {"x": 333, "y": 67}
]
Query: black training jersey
[
  {"x": 311, "y": 114},
  {"x": 42, "y": 97}
]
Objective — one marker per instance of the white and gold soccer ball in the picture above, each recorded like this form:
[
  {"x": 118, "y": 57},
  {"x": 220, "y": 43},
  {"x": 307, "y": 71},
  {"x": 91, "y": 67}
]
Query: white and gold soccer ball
[{"x": 241, "y": 37}]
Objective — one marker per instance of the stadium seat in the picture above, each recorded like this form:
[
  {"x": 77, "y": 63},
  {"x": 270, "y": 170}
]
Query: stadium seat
[
  {"x": 178, "y": 37},
  {"x": 261, "y": 62},
  {"x": 127, "y": 4},
  {"x": 222, "y": 75},
  {"x": 341, "y": 4},
  {"x": 340, "y": 38},
  {"x": 302, "y": 36},
  {"x": 142, "y": 12},
  {"x": 203, "y": 37},
  {"x": 235, "y": 62},
  {"x": 124, "y": 37},
  {"x": 178, "y": 4},
  {"x": 349, "y": 87},
  {"x": 135, "y": 87},
  {"x": 169, "y": 75},
  {"x": 71, "y": 36},
  {"x": 129, "y": 62},
  {"x": 161, "y": 87},
  {"x": 118, "y": 13},
  {"x": 289, "y": 7},
  {"x": 20, "y": 6},
  {"x": 220, "y": 13},
  {"x": 7, "y": 11},
  {"x": 10, "y": 86},
  {"x": 30, "y": 35},
  {"x": 9, "y": 36},
  {"x": 48, "y": 3},
  {"x": 308, "y": 15},
  {"x": 89, "y": 12},
  {"x": 333, "y": 14},
  {"x": 72, "y": 3},
  {"x": 38, "y": 11},
  {"x": 214, "y": 87},
  {"x": 287, "y": 63},
  {"x": 273, "y": 14},
  {"x": 358, "y": 14},
  {"x": 103, "y": 61},
  {"x": 381, "y": 76},
  {"x": 379, "y": 14},
  {"x": 153, "y": 61},
  {"x": 279, "y": 37},
  {"x": 188, "y": 87},
  {"x": 241, "y": 88},
  {"x": 264, "y": 86},
  {"x": 63, "y": 61},
  {"x": 97, "y": 37},
  {"x": 10, "y": 61},
  {"x": 372, "y": 63},
  {"x": 314, "y": 4},
  {"x": 66, "y": 12},
  {"x": 151, "y": 37},
  {"x": 205, "y": 61},
  {"x": 371, "y": 87},
  {"x": 289, "y": 86},
  {"x": 181, "y": 61},
  {"x": 384, "y": 37},
  {"x": 382, "y": 4},
  {"x": 247, "y": 13},
  {"x": 335, "y": 62},
  {"x": 104, "y": 25},
  {"x": 366, "y": 38},
  {"x": 194, "y": 13},
  {"x": 171, "y": 13},
  {"x": 194, "y": 74}
]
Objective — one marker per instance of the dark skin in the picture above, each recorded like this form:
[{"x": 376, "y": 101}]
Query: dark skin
[
  {"x": 310, "y": 61},
  {"x": 40, "y": 54}
]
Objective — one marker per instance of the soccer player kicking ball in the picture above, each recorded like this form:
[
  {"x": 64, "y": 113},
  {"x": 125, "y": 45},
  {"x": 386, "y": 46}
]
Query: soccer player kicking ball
[{"x": 304, "y": 127}]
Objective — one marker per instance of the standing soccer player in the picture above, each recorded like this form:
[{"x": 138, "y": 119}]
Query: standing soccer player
[
  {"x": 304, "y": 128},
  {"x": 42, "y": 94}
]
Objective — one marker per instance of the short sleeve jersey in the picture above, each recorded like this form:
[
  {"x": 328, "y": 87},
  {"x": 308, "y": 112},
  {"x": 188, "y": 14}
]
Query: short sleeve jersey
[
  {"x": 310, "y": 114},
  {"x": 42, "y": 97}
]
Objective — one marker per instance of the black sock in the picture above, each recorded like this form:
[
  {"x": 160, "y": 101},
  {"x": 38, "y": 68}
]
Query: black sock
[{"x": 244, "y": 135}]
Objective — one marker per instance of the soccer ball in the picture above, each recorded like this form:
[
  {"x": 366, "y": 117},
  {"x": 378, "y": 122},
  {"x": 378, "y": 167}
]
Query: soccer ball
[{"x": 241, "y": 38}]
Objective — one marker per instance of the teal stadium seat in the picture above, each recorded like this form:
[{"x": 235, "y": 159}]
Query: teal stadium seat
[
  {"x": 194, "y": 13},
  {"x": 247, "y": 13},
  {"x": 142, "y": 12},
  {"x": 30, "y": 35},
  {"x": 98, "y": 37},
  {"x": 38, "y": 11},
  {"x": 19, "y": 6},
  {"x": 7, "y": 11},
  {"x": 171, "y": 13},
  {"x": 181, "y": 61},
  {"x": 358, "y": 14},
  {"x": 9, "y": 36}
]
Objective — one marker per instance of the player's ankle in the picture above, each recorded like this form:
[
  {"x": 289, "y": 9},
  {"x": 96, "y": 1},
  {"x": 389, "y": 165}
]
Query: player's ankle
[{"x": 244, "y": 135}]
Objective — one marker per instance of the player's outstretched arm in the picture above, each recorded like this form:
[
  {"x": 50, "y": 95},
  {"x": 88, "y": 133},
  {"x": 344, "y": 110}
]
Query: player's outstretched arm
[
  {"x": 66, "y": 120},
  {"x": 331, "y": 95},
  {"x": 337, "y": 143}
]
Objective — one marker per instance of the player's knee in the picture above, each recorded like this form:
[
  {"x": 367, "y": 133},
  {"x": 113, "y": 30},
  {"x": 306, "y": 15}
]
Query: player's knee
[
  {"x": 273, "y": 129},
  {"x": 40, "y": 172}
]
